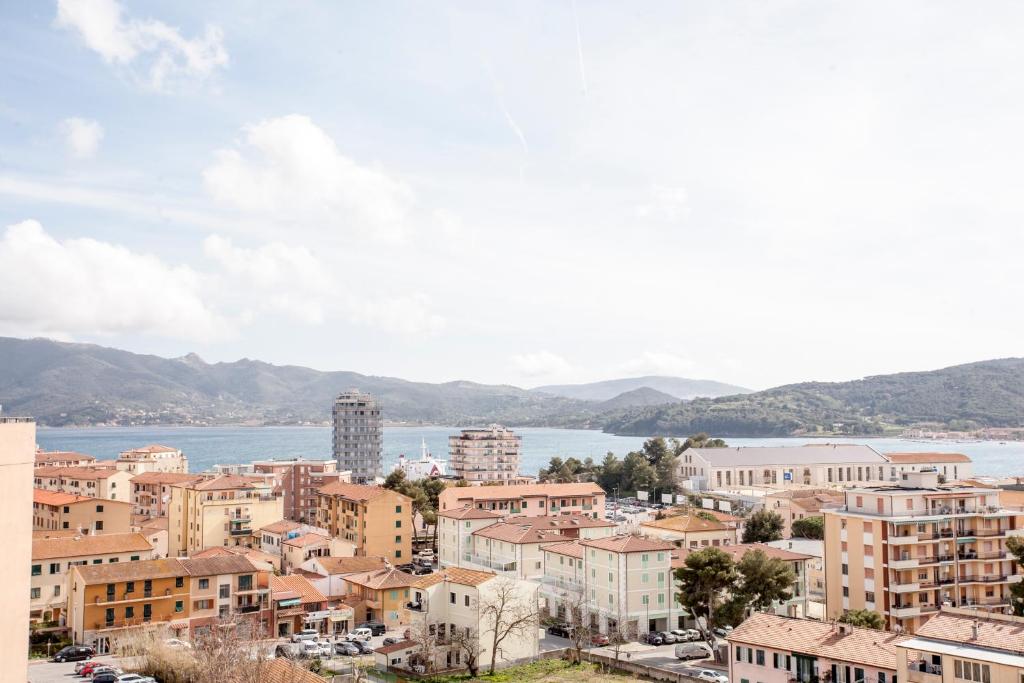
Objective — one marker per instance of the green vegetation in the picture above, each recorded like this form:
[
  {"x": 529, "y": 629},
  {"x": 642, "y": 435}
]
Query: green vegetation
[
  {"x": 1016, "y": 547},
  {"x": 809, "y": 527},
  {"x": 763, "y": 526},
  {"x": 547, "y": 670},
  {"x": 863, "y": 617}
]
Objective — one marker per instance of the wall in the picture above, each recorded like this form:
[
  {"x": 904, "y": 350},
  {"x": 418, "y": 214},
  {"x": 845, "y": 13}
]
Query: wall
[{"x": 17, "y": 460}]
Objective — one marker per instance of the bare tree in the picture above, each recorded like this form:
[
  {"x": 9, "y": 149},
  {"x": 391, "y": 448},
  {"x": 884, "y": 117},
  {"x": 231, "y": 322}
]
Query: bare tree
[
  {"x": 621, "y": 634},
  {"x": 575, "y": 603},
  {"x": 425, "y": 637},
  {"x": 508, "y": 613},
  {"x": 467, "y": 641}
]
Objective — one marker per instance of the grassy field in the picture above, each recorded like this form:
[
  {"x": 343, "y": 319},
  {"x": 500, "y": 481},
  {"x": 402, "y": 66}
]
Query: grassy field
[{"x": 541, "y": 671}]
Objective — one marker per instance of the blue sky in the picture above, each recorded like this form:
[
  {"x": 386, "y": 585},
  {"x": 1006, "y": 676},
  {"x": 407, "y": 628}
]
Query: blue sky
[{"x": 522, "y": 192}]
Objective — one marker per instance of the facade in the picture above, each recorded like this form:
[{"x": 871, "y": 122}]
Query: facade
[
  {"x": 151, "y": 491},
  {"x": 907, "y": 550},
  {"x": 62, "y": 459},
  {"x": 485, "y": 455},
  {"x": 690, "y": 531},
  {"x": 298, "y": 549},
  {"x": 53, "y": 510},
  {"x": 225, "y": 588},
  {"x": 155, "y": 531},
  {"x": 90, "y": 482},
  {"x": 951, "y": 466},
  {"x": 297, "y": 605},
  {"x": 220, "y": 511},
  {"x": 455, "y": 532},
  {"x": 378, "y": 521},
  {"x": 384, "y": 592},
  {"x": 767, "y": 648},
  {"x": 359, "y": 436},
  {"x": 152, "y": 458},
  {"x": 17, "y": 460},
  {"x": 531, "y": 500},
  {"x": 961, "y": 645},
  {"x": 797, "y": 504},
  {"x": 53, "y": 558},
  {"x": 298, "y": 480},
  {"x": 815, "y": 566}
]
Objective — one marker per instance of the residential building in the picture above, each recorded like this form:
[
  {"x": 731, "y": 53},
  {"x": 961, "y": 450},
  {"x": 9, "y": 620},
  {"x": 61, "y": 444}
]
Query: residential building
[
  {"x": 17, "y": 460},
  {"x": 951, "y": 466},
  {"x": 455, "y": 600},
  {"x": 261, "y": 560},
  {"x": 297, "y": 605},
  {"x": 767, "y": 648},
  {"x": 298, "y": 480},
  {"x": 796, "y": 504},
  {"x": 151, "y": 491},
  {"x": 378, "y": 521},
  {"x": 358, "y": 436},
  {"x": 155, "y": 531},
  {"x": 53, "y": 510},
  {"x": 83, "y": 480},
  {"x": 327, "y": 574},
  {"x": 485, "y": 455},
  {"x": 455, "y": 532},
  {"x": 531, "y": 500},
  {"x": 224, "y": 588},
  {"x": 385, "y": 593},
  {"x": 220, "y": 511},
  {"x": 623, "y": 582},
  {"x": 964, "y": 645},
  {"x": 690, "y": 531},
  {"x": 53, "y": 558},
  {"x": 152, "y": 458},
  {"x": 904, "y": 550},
  {"x": 62, "y": 459},
  {"x": 815, "y": 567},
  {"x": 297, "y": 549}
]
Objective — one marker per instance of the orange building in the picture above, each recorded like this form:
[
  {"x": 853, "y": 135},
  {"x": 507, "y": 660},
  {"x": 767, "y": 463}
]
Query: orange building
[{"x": 378, "y": 521}]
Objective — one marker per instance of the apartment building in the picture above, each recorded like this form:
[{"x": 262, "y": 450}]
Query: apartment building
[
  {"x": 454, "y": 600},
  {"x": 358, "y": 436},
  {"x": 623, "y": 582},
  {"x": 906, "y": 550},
  {"x": 261, "y": 560},
  {"x": 690, "y": 531},
  {"x": 962, "y": 645},
  {"x": 455, "y": 532},
  {"x": 62, "y": 459},
  {"x": 53, "y": 558},
  {"x": 53, "y": 510},
  {"x": 297, "y": 605},
  {"x": 485, "y": 455},
  {"x": 152, "y": 458},
  {"x": 378, "y": 521},
  {"x": 151, "y": 491},
  {"x": 87, "y": 481},
  {"x": 299, "y": 479},
  {"x": 531, "y": 500},
  {"x": 797, "y": 504},
  {"x": 220, "y": 511},
  {"x": 328, "y": 574},
  {"x": 384, "y": 592},
  {"x": 298, "y": 549},
  {"x": 767, "y": 648},
  {"x": 273, "y": 536},
  {"x": 950, "y": 466},
  {"x": 17, "y": 448},
  {"x": 815, "y": 567},
  {"x": 228, "y": 587}
]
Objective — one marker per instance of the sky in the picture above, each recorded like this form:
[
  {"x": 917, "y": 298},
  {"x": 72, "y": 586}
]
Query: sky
[{"x": 526, "y": 193}]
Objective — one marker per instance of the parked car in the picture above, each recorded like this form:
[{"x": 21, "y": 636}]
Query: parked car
[
  {"x": 423, "y": 570},
  {"x": 135, "y": 678},
  {"x": 390, "y": 641},
  {"x": 105, "y": 677},
  {"x": 364, "y": 647},
  {"x": 712, "y": 676},
  {"x": 106, "y": 671},
  {"x": 74, "y": 653},
  {"x": 598, "y": 639},
  {"x": 305, "y": 634},
  {"x": 376, "y": 628},
  {"x": 310, "y": 648},
  {"x": 693, "y": 651},
  {"x": 653, "y": 638},
  {"x": 361, "y": 633},
  {"x": 560, "y": 630},
  {"x": 176, "y": 644},
  {"x": 686, "y": 635},
  {"x": 325, "y": 648},
  {"x": 668, "y": 637},
  {"x": 722, "y": 631},
  {"x": 86, "y": 671},
  {"x": 346, "y": 649},
  {"x": 407, "y": 568},
  {"x": 79, "y": 667}
]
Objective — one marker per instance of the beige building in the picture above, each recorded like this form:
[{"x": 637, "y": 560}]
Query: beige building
[
  {"x": 17, "y": 449},
  {"x": 328, "y": 574},
  {"x": 962, "y": 645},
  {"x": 221, "y": 511},
  {"x": 296, "y": 550},
  {"x": 91, "y": 482},
  {"x": 152, "y": 458},
  {"x": 62, "y": 459},
  {"x": 151, "y": 491},
  {"x": 53, "y": 510},
  {"x": 797, "y": 504},
  {"x": 52, "y": 559},
  {"x": 455, "y": 532},
  {"x": 299, "y": 480},
  {"x": 690, "y": 531},
  {"x": 531, "y": 500},
  {"x": 485, "y": 455},
  {"x": 155, "y": 531},
  {"x": 907, "y": 550},
  {"x": 378, "y": 521}
]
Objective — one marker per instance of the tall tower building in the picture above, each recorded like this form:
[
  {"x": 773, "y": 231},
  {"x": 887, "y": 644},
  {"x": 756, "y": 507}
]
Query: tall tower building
[
  {"x": 358, "y": 435},
  {"x": 489, "y": 454}
]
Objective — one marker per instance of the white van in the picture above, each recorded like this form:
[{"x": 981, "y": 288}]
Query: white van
[
  {"x": 305, "y": 634},
  {"x": 363, "y": 634},
  {"x": 693, "y": 651}
]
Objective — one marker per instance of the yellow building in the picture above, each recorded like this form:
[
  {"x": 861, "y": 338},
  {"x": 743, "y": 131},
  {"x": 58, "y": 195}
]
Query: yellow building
[
  {"x": 152, "y": 458},
  {"x": 690, "y": 531},
  {"x": 226, "y": 510},
  {"x": 907, "y": 550},
  {"x": 377, "y": 520},
  {"x": 963, "y": 645},
  {"x": 385, "y": 593},
  {"x": 90, "y": 482},
  {"x": 53, "y": 510},
  {"x": 17, "y": 448}
]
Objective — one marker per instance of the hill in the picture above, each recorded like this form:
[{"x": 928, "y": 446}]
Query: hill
[
  {"x": 636, "y": 398},
  {"x": 983, "y": 394},
  {"x": 678, "y": 388}
]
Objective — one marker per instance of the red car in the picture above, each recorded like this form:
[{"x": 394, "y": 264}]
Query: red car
[
  {"x": 598, "y": 639},
  {"x": 87, "y": 670}
]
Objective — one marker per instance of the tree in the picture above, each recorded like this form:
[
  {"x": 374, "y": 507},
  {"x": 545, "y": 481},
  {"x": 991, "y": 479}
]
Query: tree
[
  {"x": 610, "y": 476},
  {"x": 1016, "y": 547},
  {"x": 425, "y": 637},
  {"x": 655, "y": 450},
  {"x": 863, "y": 617},
  {"x": 763, "y": 526},
  {"x": 620, "y": 634},
  {"x": 810, "y": 527},
  {"x": 704, "y": 580},
  {"x": 467, "y": 641},
  {"x": 508, "y": 612},
  {"x": 763, "y": 580},
  {"x": 637, "y": 474},
  {"x": 705, "y": 515},
  {"x": 575, "y": 603}
]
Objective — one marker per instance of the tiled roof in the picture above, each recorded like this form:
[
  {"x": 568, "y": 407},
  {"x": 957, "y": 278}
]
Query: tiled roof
[
  {"x": 294, "y": 583},
  {"x": 280, "y": 527},
  {"x": 80, "y": 546},
  {"x": 225, "y": 482},
  {"x": 43, "y": 457},
  {"x": 131, "y": 571},
  {"x": 283, "y": 670},
  {"x": 350, "y": 565},
  {"x": 810, "y": 454},
  {"x": 154, "y": 524},
  {"x": 573, "y": 521},
  {"x": 469, "y": 512},
  {"x": 76, "y": 472},
  {"x": 517, "y": 533},
  {"x": 820, "y": 639},
  {"x": 152, "y": 448},
  {"x": 396, "y": 647},
  {"x": 56, "y": 497},
  {"x": 997, "y": 633},
  {"x": 463, "y": 577},
  {"x": 686, "y": 523},
  {"x": 305, "y": 540},
  {"x": 520, "y": 529},
  {"x": 524, "y": 490},
  {"x": 568, "y": 548},
  {"x": 382, "y": 578},
  {"x": 738, "y": 550},
  {"x": 354, "y": 491},
  {"x": 923, "y": 458},
  {"x": 166, "y": 478},
  {"x": 627, "y": 544},
  {"x": 819, "y": 501},
  {"x": 209, "y": 566}
]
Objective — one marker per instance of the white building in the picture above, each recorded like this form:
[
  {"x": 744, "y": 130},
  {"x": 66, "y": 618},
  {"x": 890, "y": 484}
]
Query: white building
[
  {"x": 490, "y": 454},
  {"x": 152, "y": 458},
  {"x": 424, "y": 468}
]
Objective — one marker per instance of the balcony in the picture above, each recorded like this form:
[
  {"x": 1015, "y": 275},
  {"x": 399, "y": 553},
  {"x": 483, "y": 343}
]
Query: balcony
[
  {"x": 248, "y": 609},
  {"x": 908, "y": 539},
  {"x": 921, "y": 672},
  {"x": 904, "y": 563},
  {"x": 905, "y": 611},
  {"x": 241, "y": 532},
  {"x": 415, "y": 606},
  {"x": 906, "y": 587}
]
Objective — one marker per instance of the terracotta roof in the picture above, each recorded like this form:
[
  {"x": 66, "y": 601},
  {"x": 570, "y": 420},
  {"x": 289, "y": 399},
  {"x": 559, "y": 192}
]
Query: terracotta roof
[
  {"x": 355, "y": 491},
  {"x": 996, "y": 633},
  {"x": 306, "y": 539},
  {"x": 283, "y": 670},
  {"x": 627, "y": 544},
  {"x": 821, "y": 639},
  {"x": 686, "y": 523},
  {"x": 738, "y": 550},
  {"x": 281, "y": 527},
  {"x": 131, "y": 571},
  {"x": 463, "y": 577},
  {"x": 517, "y": 533},
  {"x": 80, "y": 546},
  {"x": 524, "y": 490},
  {"x": 225, "y": 482},
  {"x": 166, "y": 478},
  {"x": 43, "y": 457},
  {"x": 308, "y": 574},
  {"x": 294, "y": 583},
  {"x": 573, "y": 521},
  {"x": 520, "y": 529},
  {"x": 818, "y": 501},
  {"x": 569, "y": 548},
  {"x": 76, "y": 472},
  {"x": 56, "y": 497},
  {"x": 382, "y": 578},
  {"x": 154, "y": 524},
  {"x": 396, "y": 647},
  {"x": 350, "y": 565},
  {"x": 209, "y": 566},
  {"x": 469, "y": 512},
  {"x": 919, "y": 458},
  {"x": 152, "y": 448},
  {"x": 251, "y": 554}
]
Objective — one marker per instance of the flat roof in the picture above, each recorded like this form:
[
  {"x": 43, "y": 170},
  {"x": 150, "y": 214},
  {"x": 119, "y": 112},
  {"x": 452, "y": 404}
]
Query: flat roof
[{"x": 810, "y": 454}]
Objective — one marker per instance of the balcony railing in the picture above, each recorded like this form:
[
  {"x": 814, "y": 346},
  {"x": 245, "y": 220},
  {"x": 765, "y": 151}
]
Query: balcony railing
[{"x": 494, "y": 564}]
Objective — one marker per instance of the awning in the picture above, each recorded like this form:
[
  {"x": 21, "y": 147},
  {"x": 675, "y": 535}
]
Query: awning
[{"x": 289, "y": 603}]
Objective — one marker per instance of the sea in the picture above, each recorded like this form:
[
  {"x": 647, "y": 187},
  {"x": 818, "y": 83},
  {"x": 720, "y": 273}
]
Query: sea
[{"x": 209, "y": 446}]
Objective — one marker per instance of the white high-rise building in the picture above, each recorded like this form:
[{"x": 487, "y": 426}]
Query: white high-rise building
[
  {"x": 490, "y": 454},
  {"x": 358, "y": 435}
]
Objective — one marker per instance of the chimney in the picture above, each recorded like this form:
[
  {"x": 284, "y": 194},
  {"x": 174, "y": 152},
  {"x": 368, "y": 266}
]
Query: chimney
[{"x": 974, "y": 630}]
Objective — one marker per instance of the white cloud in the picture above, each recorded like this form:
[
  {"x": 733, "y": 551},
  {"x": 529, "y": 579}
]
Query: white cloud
[
  {"x": 82, "y": 136},
  {"x": 541, "y": 363},
  {"x": 664, "y": 203},
  {"x": 658, "y": 363},
  {"x": 84, "y": 286},
  {"x": 290, "y": 169},
  {"x": 156, "y": 53}
]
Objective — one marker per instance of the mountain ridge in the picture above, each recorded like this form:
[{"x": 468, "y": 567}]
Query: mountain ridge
[{"x": 679, "y": 388}]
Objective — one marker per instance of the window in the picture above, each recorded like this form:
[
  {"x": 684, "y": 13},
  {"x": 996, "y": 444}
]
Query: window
[
  {"x": 869, "y": 597},
  {"x": 147, "y": 611},
  {"x": 644, "y": 600},
  {"x": 35, "y": 593},
  {"x": 398, "y": 524},
  {"x": 179, "y": 605},
  {"x": 129, "y": 587},
  {"x": 775, "y": 655},
  {"x": 858, "y": 674},
  {"x": 37, "y": 569},
  {"x": 225, "y": 591},
  {"x": 98, "y": 560},
  {"x": 55, "y": 567},
  {"x": 99, "y": 508},
  {"x": 99, "y": 526},
  {"x": 465, "y": 599},
  {"x": 109, "y": 615},
  {"x": 881, "y": 674},
  {"x": 398, "y": 539},
  {"x": 134, "y": 558},
  {"x": 451, "y": 598},
  {"x": 760, "y": 657},
  {"x": 846, "y": 591},
  {"x": 846, "y": 569},
  {"x": 398, "y": 509},
  {"x": 204, "y": 584},
  {"x": 179, "y": 582},
  {"x": 398, "y": 554},
  {"x": 245, "y": 582},
  {"x": 56, "y": 591},
  {"x": 129, "y": 612}
]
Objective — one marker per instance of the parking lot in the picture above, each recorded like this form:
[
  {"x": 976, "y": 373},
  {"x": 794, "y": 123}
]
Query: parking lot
[{"x": 658, "y": 656}]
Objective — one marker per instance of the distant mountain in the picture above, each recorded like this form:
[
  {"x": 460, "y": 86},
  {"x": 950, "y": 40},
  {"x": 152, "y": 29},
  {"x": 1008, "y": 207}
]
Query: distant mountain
[
  {"x": 678, "y": 388},
  {"x": 636, "y": 398},
  {"x": 962, "y": 397}
]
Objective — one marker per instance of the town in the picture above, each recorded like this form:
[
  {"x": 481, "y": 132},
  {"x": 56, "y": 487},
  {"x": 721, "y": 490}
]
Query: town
[{"x": 822, "y": 562}]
